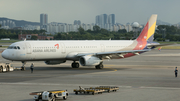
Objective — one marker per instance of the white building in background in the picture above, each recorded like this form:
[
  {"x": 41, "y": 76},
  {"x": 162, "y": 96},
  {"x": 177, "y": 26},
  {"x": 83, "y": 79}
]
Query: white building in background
[
  {"x": 31, "y": 27},
  {"x": 119, "y": 27},
  {"x": 55, "y": 27},
  {"x": 129, "y": 28},
  {"x": 7, "y": 24}
]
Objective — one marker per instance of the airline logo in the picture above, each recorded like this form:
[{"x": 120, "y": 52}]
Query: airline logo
[{"x": 57, "y": 45}]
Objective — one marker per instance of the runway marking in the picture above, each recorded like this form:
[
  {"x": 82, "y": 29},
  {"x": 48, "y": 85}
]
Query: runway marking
[{"x": 114, "y": 70}]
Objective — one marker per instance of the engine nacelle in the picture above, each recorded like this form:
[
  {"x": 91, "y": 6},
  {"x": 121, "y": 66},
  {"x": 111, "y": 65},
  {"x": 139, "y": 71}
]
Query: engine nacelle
[
  {"x": 54, "y": 62},
  {"x": 89, "y": 61}
]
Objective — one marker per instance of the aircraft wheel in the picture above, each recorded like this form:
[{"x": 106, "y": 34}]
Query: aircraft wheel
[
  {"x": 23, "y": 68},
  {"x": 75, "y": 65},
  {"x": 100, "y": 66},
  {"x": 97, "y": 67}
]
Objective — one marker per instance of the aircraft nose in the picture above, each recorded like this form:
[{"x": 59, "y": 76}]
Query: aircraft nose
[{"x": 5, "y": 54}]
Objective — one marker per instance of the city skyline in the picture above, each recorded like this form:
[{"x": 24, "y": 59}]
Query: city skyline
[{"x": 86, "y": 11}]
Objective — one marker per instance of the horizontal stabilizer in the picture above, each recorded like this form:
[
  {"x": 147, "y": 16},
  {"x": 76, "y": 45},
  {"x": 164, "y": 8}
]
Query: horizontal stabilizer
[{"x": 159, "y": 45}]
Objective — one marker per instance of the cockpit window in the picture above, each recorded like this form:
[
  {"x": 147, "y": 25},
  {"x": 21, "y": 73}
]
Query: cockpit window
[
  {"x": 13, "y": 47},
  {"x": 10, "y": 47}
]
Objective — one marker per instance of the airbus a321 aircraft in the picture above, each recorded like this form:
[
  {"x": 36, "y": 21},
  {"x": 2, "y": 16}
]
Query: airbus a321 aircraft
[{"x": 87, "y": 53}]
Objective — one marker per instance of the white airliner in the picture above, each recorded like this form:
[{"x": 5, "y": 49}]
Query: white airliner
[{"x": 87, "y": 53}]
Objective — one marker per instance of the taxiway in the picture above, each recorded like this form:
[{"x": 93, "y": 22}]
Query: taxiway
[{"x": 147, "y": 77}]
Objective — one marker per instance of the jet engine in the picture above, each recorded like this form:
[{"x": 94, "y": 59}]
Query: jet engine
[
  {"x": 54, "y": 62},
  {"x": 89, "y": 61}
]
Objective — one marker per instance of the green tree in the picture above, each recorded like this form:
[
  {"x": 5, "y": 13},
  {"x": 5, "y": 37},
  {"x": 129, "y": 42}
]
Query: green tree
[
  {"x": 33, "y": 37},
  {"x": 81, "y": 30},
  {"x": 122, "y": 31},
  {"x": 96, "y": 28}
]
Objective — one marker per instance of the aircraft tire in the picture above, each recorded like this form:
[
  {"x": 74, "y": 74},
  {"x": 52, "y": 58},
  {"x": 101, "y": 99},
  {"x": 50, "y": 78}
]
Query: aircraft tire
[
  {"x": 97, "y": 67},
  {"x": 75, "y": 65},
  {"x": 23, "y": 68},
  {"x": 100, "y": 66}
]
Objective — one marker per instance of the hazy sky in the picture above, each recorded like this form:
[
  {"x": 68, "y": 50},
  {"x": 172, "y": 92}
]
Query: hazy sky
[{"x": 66, "y": 11}]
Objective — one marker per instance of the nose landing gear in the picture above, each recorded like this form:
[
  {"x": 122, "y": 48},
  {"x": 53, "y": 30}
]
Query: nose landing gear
[{"x": 23, "y": 68}]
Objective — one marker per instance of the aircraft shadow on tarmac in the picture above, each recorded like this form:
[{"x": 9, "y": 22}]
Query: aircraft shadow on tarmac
[{"x": 69, "y": 68}]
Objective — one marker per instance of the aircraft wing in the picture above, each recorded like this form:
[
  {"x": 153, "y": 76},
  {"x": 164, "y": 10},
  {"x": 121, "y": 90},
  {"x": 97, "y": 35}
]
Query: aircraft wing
[{"x": 113, "y": 53}]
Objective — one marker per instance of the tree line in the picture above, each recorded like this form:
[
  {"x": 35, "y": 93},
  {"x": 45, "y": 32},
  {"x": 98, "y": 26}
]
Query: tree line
[
  {"x": 162, "y": 33},
  {"x": 97, "y": 34}
]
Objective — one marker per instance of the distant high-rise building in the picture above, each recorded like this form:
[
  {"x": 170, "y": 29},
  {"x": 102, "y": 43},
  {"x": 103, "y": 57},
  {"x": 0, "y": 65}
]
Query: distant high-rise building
[
  {"x": 43, "y": 19},
  {"x": 102, "y": 20},
  {"x": 97, "y": 20},
  {"x": 111, "y": 19},
  {"x": 77, "y": 22},
  {"x": 105, "y": 21}
]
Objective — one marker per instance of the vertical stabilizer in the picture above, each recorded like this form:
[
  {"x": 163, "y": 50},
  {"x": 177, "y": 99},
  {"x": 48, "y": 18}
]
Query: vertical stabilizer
[{"x": 147, "y": 33}]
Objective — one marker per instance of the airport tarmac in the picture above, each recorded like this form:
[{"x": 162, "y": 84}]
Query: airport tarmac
[{"x": 147, "y": 77}]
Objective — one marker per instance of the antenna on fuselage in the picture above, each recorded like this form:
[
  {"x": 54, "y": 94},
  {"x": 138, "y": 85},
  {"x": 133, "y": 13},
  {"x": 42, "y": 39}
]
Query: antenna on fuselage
[{"x": 24, "y": 39}]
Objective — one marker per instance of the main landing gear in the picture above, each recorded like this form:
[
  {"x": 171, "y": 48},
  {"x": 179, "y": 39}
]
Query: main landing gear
[
  {"x": 75, "y": 65},
  {"x": 23, "y": 68},
  {"x": 100, "y": 66}
]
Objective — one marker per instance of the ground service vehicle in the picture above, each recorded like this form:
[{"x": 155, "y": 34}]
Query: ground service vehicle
[
  {"x": 50, "y": 95},
  {"x": 6, "y": 67},
  {"x": 96, "y": 90}
]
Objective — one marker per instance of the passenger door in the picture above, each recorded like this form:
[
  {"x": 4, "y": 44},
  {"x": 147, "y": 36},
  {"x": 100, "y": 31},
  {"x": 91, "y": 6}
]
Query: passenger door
[{"x": 28, "y": 48}]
